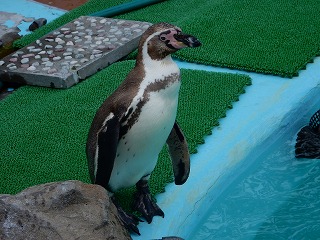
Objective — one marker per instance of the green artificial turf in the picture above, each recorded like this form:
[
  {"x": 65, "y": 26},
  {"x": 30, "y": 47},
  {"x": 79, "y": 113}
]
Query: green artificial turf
[
  {"x": 43, "y": 130},
  {"x": 268, "y": 36}
]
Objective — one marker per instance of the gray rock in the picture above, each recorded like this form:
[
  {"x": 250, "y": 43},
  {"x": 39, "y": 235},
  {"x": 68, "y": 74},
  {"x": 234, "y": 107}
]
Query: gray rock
[
  {"x": 13, "y": 67},
  {"x": 63, "y": 210},
  {"x": 24, "y": 60},
  {"x": 31, "y": 68},
  {"x": 56, "y": 58},
  {"x": 49, "y": 64}
]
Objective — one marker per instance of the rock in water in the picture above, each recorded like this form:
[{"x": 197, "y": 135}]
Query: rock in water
[
  {"x": 308, "y": 140},
  {"x": 308, "y": 143},
  {"x": 63, "y": 210}
]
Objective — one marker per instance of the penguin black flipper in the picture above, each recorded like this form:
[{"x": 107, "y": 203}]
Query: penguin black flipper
[
  {"x": 179, "y": 153},
  {"x": 101, "y": 154},
  {"x": 108, "y": 138}
]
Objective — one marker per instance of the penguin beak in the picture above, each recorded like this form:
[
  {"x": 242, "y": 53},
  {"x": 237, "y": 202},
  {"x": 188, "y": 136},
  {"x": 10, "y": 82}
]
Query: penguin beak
[{"x": 187, "y": 40}]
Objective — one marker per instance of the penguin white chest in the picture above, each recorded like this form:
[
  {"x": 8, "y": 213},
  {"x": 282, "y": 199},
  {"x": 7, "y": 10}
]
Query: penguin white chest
[{"x": 138, "y": 149}]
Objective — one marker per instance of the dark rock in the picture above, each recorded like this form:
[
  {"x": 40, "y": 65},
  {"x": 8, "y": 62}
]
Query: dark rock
[
  {"x": 63, "y": 210},
  {"x": 37, "y": 23},
  {"x": 8, "y": 38},
  {"x": 308, "y": 143}
]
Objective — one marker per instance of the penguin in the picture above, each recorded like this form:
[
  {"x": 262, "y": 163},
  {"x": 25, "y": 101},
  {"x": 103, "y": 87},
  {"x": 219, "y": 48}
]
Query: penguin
[
  {"x": 308, "y": 139},
  {"x": 134, "y": 123}
]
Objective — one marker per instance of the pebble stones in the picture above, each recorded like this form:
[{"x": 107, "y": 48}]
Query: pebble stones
[
  {"x": 24, "y": 60},
  {"x": 73, "y": 46},
  {"x": 56, "y": 58},
  {"x": 31, "y": 68}
]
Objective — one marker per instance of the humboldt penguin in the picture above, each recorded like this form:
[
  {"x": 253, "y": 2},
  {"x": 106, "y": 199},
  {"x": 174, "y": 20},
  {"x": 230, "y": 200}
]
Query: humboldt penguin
[
  {"x": 308, "y": 139},
  {"x": 137, "y": 120}
]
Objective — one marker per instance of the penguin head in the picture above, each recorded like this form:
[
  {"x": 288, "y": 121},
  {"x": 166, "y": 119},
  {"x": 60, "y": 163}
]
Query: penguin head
[{"x": 163, "y": 39}]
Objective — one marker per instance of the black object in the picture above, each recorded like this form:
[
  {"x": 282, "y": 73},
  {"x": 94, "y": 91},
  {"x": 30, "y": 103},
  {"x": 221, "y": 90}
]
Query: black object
[
  {"x": 308, "y": 139},
  {"x": 37, "y": 23},
  {"x": 315, "y": 121}
]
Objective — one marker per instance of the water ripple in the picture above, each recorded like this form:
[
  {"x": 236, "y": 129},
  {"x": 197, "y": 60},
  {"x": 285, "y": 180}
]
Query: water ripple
[{"x": 277, "y": 199}]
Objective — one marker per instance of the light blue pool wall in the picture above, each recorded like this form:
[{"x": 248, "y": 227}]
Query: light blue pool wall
[
  {"x": 270, "y": 104},
  {"x": 253, "y": 192}
]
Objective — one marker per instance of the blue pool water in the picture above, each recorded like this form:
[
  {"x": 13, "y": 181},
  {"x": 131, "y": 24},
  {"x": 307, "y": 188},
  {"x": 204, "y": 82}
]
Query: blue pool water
[
  {"x": 217, "y": 201},
  {"x": 274, "y": 196}
]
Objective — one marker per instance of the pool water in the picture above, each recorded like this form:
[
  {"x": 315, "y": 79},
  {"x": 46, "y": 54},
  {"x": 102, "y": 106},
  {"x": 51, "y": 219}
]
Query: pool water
[{"x": 276, "y": 196}]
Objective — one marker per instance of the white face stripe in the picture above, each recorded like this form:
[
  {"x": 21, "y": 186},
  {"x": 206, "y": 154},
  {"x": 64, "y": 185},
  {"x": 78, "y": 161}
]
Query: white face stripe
[
  {"x": 145, "y": 56},
  {"x": 147, "y": 60},
  {"x": 155, "y": 70}
]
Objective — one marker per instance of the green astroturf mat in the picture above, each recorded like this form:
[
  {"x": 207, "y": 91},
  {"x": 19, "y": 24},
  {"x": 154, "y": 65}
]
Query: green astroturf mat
[
  {"x": 43, "y": 131},
  {"x": 268, "y": 36}
]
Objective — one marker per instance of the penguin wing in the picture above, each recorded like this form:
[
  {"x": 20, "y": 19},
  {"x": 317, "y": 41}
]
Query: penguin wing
[
  {"x": 106, "y": 149},
  {"x": 179, "y": 153}
]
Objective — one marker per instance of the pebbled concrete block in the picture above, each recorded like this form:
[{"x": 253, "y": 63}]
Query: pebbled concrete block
[{"x": 72, "y": 52}]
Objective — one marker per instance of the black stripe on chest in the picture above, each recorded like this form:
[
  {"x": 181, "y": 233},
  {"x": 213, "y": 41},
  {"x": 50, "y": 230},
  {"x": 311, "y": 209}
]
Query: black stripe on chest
[{"x": 132, "y": 116}]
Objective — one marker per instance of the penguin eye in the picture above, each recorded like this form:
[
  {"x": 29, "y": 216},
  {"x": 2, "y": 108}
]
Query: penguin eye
[{"x": 162, "y": 38}]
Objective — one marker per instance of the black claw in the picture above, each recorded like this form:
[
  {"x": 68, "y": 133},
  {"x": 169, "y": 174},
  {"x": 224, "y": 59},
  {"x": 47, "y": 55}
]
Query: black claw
[
  {"x": 130, "y": 221},
  {"x": 134, "y": 229},
  {"x": 144, "y": 204}
]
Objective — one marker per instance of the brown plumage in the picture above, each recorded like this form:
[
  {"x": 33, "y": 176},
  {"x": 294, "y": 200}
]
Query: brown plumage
[{"x": 132, "y": 125}]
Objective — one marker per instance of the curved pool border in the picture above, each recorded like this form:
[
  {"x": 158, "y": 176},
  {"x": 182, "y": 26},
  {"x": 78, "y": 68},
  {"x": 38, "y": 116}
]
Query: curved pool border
[{"x": 270, "y": 104}]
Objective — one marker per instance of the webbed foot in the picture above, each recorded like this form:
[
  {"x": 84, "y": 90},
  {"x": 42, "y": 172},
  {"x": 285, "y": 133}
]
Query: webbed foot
[
  {"x": 144, "y": 203},
  {"x": 130, "y": 221}
]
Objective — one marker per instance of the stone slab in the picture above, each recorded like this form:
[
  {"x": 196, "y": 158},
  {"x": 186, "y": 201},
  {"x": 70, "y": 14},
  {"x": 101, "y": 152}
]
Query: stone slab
[
  {"x": 72, "y": 52},
  {"x": 66, "y": 210}
]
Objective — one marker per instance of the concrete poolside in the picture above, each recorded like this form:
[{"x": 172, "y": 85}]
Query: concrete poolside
[{"x": 268, "y": 105}]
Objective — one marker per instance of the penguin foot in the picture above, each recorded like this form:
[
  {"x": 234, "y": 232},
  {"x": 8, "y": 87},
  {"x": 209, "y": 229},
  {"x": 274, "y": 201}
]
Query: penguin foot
[
  {"x": 130, "y": 221},
  {"x": 144, "y": 203}
]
